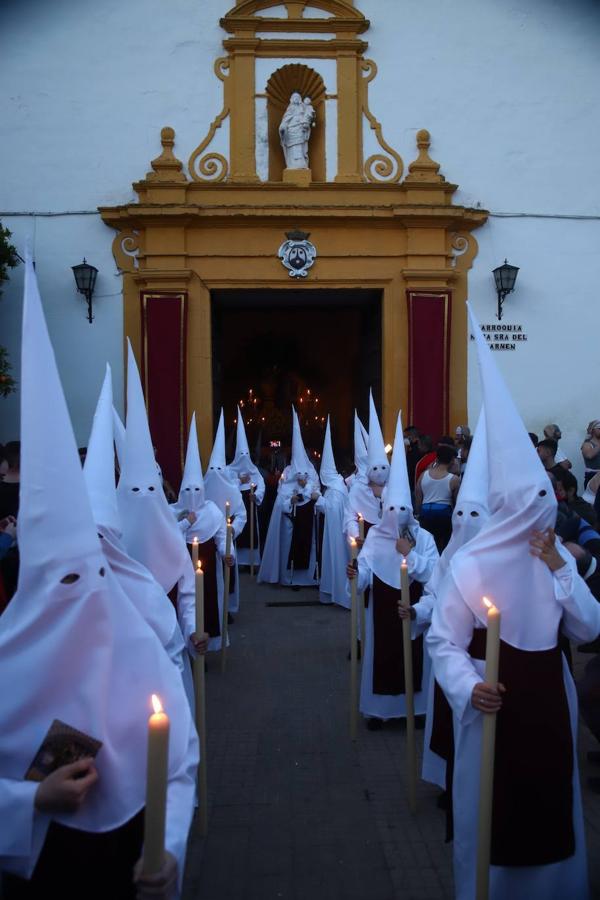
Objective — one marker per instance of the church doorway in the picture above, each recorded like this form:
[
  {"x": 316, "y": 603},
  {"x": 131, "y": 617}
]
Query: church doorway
[{"x": 319, "y": 349}]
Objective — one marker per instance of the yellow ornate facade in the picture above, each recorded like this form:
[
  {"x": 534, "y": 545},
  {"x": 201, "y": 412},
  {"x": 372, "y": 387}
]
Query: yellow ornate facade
[{"x": 220, "y": 228}]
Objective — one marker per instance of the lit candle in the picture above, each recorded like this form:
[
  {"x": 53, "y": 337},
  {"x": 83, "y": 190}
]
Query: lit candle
[
  {"x": 227, "y": 510},
  {"x": 200, "y": 695},
  {"x": 353, "y": 646},
  {"x": 488, "y": 744},
  {"x": 409, "y": 694},
  {"x": 195, "y": 552},
  {"x": 157, "y": 773},
  {"x": 361, "y": 527}
]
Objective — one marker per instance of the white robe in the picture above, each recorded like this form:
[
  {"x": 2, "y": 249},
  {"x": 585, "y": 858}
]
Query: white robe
[
  {"x": 336, "y": 552},
  {"x": 421, "y": 561},
  {"x": 457, "y": 673},
  {"x": 361, "y": 502},
  {"x": 273, "y": 568}
]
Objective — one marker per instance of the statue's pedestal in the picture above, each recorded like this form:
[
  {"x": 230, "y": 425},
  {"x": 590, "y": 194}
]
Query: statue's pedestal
[{"x": 299, "y": 177}]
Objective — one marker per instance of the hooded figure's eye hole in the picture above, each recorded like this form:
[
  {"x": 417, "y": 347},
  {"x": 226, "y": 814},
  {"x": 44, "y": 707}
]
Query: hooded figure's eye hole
[
  {"x": 135, "y": 489},
  {"x": 101, "y": 536},
  {"x": 151, "y": 488},
  {"x": 391, "y": 508},
  {"x": 102, "y": 572},
  {"x": 542, "y": 493},
  {"x": 187, "y": 489},
  {"x": 474, "y": 514},
  {"x": 196, "y": 489},
  {"x": 402, "y": 509},
  {"x": 71, "y": 578},
  {"x": 459, "y": 513}
]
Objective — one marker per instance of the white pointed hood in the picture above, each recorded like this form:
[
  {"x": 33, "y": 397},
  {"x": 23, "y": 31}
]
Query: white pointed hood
[
  {"x": 82, "y": 669},
  {"x": 242, "y": 463},
  {"x": 471, "y": 510},
  {"x": 119, "y": 437},
  {"x": 497, "y": 562},
  {"x": 361, "y": 438},
  {"x": 150, "y": 533},
  {"x": 220, "y": 486},
  {"x": 379, "y": 550},
  {"x": 329, "y": 474},
  {"x": 99, "y": 466},
  {"x": 192, "y": 494},
  {"x": 378, "y": 467}
]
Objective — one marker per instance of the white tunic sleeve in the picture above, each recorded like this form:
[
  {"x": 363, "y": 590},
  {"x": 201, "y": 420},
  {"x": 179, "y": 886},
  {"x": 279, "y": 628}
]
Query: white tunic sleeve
[
  {"x": 186, "y": 605},
  {"x": 240, "y": 519},
  {"x": 448, "y": 640},
  {"x": 22, "y": 828},
  {"x": 422, "y": 558},
  {"x": 350, "y": 523},
  {"x": 259, "y": 493},
  {"x": 581, "y": 610}
]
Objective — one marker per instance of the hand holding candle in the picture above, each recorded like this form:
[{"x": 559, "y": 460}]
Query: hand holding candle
[{"x": 157, "y": 775}]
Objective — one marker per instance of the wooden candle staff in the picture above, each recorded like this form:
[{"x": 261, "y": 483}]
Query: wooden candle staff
[
  {"x": 361, "y": 599},
  {"x": 353, "y": 647},
  {"x": 157, "y": 776},
  {"x": 409, "y": 693},
  {"x": 488, "y": 742},
  {"x": 226, "y": 582},
  {"x": 200, "y": 694}
]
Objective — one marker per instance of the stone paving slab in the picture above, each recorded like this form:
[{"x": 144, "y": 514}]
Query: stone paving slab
[{"x": 296, "y": 811}]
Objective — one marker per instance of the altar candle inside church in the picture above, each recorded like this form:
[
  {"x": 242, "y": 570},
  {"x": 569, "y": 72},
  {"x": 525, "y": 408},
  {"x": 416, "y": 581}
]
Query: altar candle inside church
[
  {"x": 157, "y": 774},
  {"x": 195, "y": 552},
  {"x": 199, "y": 584},
  {"x": 488, "y": 744}
]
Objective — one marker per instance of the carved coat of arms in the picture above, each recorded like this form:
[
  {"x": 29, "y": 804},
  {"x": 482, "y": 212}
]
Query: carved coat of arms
[{"x": 297, "y": 254}]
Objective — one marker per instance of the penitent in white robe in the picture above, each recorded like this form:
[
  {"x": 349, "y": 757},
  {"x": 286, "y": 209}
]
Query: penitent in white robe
[
  {"x": 448, "y": 639},
  {"x": 244, "y": 555},
  {"x": 421, "y": 562},
  {"x": 273, "y": 568},
  {"x": 336, "y": 552}
]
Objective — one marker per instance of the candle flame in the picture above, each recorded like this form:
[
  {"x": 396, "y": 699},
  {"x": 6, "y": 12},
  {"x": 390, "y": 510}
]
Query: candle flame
[
  {"x": 194, "y": 540},
  {"x": 199, "y": 566},
  {"x": 388, "y": 448},
  {"x": 156, "y": 704},
  {"x": 353, "y": 542},
  {"x": 404, "y": 562},
  {"x": 488, "y": 603}
]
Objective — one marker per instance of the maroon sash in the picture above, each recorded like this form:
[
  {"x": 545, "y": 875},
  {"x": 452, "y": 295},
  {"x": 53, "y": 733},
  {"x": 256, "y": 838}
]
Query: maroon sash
[
  {"x": 533, "y": 790},
  {"x": 388, "y": 653},
  {"x": 442, "y": 732},
  {"x": 243, "y": 541},
  {"x": 207, "y": 554},
  {"x": 302, "y": 536}
]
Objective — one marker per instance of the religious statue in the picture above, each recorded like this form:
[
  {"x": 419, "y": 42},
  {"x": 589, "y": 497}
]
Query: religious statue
[{"x": 294, "y": 131}]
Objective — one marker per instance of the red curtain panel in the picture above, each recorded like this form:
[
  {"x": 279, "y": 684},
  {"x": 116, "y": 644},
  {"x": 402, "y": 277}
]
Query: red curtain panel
[{"x": 429, "y": 361}]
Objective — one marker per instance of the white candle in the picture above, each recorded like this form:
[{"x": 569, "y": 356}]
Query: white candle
[
  {"x": 199, "y": 598},
  {"x": 361, "y": 528},
  {"x": 409, "y": 693},
  {"x": 488, "y": 746},
  {"x": 252, "y": 514},
  {"x": 157, "y": 774},
  {"x": 200, "y": 694},
  {"x": 195, "y": 552},
  {"x": 226, "y": 582}
]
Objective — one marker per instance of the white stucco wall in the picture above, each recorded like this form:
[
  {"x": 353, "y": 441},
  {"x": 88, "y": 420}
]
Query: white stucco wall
[{"x": 508, "y": 92}]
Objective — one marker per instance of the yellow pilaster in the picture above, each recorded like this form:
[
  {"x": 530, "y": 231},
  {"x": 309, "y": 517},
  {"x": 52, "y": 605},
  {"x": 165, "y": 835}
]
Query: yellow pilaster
[{"x": 349, "y": 119}]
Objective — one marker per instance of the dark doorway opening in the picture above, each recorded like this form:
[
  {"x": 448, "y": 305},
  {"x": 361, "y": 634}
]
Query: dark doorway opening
[{"x": 318, "y": 349}]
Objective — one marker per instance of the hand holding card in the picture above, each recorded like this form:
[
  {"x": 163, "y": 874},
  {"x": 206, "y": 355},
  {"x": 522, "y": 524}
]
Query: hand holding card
[{"x": 61, "y": 746}]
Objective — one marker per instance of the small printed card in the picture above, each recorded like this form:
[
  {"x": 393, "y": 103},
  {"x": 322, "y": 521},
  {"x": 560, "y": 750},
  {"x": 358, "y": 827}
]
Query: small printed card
[{"x": 61, "y": 746}]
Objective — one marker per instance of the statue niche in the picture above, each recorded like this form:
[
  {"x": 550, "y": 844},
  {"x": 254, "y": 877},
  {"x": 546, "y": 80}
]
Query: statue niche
[{"x": 286, "y": 114}]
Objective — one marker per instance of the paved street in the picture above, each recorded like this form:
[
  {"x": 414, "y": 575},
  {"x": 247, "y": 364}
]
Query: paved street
[{"x": 297, "y": 812}]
